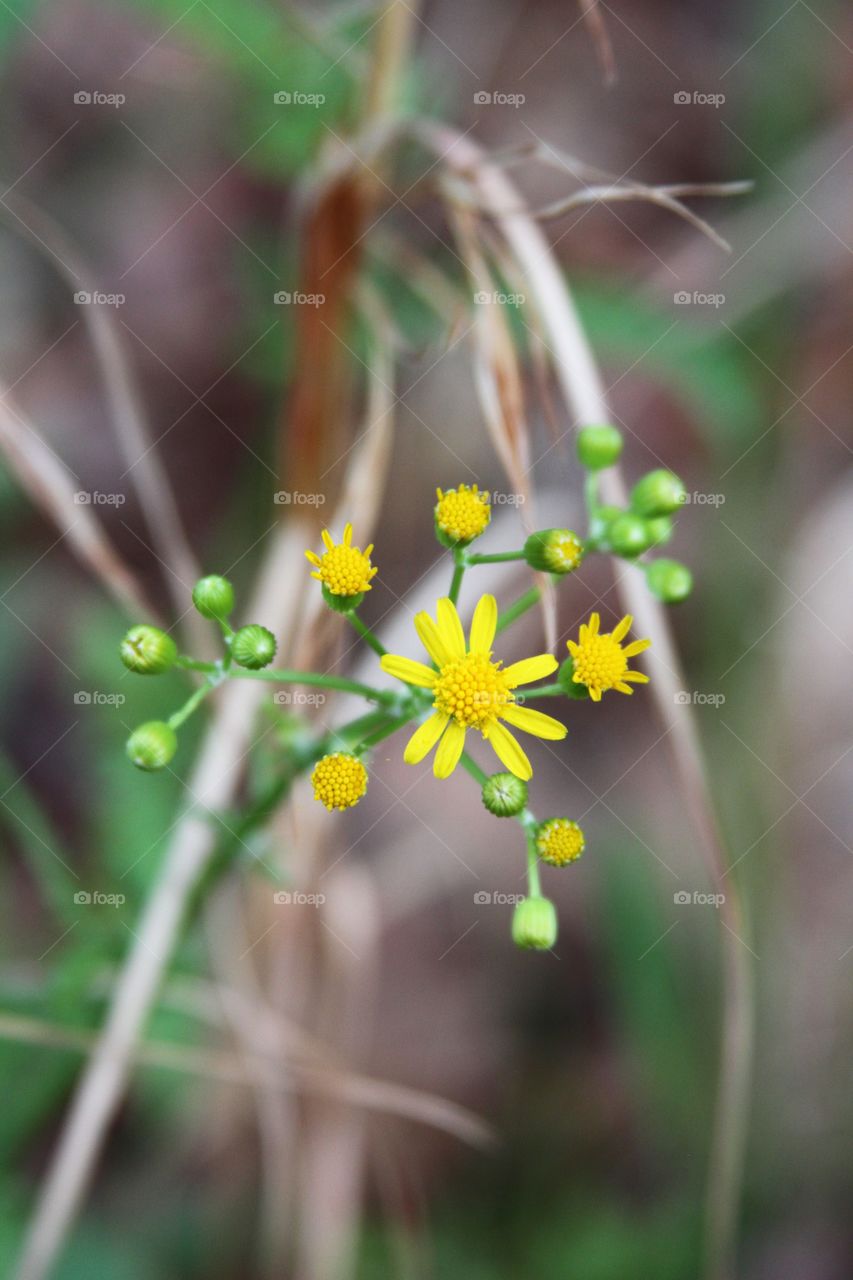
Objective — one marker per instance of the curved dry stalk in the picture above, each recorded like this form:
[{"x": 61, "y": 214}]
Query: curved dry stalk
[
  {"x": 583, "y": 391},
  {"x": 149, "y": 477},
  {"x": 52, "y": 488},
  {"x": 365, "y": 1092}
]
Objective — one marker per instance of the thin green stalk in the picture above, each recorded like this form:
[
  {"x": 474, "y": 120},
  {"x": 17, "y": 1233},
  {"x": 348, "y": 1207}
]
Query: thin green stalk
[
  {"x": 366, "y": 634},
  {"x": 183, "y": 713},
  {"x": 192, "y": 664},
  {"x": 473, "y": 768},
  {"x": 315, "y": 678},
  {"x": 382, "y": 733},
  {"x": 498, "y": 557},
  {"x": 521, "y": 605},
  {"x": 458, "y": 575},
  {"x": 545, "y": 691},
  {"x": 534, "y": 887}
]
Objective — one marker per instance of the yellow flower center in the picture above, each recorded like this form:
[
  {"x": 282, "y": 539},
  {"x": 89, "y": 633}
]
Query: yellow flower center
[
  {"x": 600, "y": 662},
  {"x": 565, "y": 552},
  {"x": 339, "y": 781},
  {"x": 559, "y": 841},
  {"x": 463, "y": 513},
  {"x": 345, "y": 570},
  {"x": 473, "y": 690}
]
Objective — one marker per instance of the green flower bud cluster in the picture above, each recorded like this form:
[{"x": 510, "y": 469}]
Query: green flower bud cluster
[
  {"x": 149, "y": 651},
  {"x": 557, "y": 551}
]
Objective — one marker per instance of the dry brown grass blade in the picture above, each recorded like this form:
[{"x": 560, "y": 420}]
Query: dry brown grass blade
[
  {"x": 600, "y": 38},
  {"x": 368, "y": 1092},
  {"x": 52, "y": 488},
  {"x": 148, "y": 475},
  {"x": 583, "y": 391}
]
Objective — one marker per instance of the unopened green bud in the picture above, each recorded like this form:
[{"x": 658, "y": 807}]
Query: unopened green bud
[
  {"x": 659, "y": 530},
  {"x": 599, "y": 447},
  {"x": 669, "y": 580},
  {"x": 554, "y": 551},
  {"x": 566, "y": 681},
  {"x": 148, "y": 650},
  {"x": 152, "y": 745},
  {"x": 658, "y": 494},
  {"x": 213, "y": 597},
  {"x": 628, "y": 535},
  {"x": 341, "y": 604},
  {"x": 504, "y": 795},
  {"x": 253, "y": 647},
  {"x": 534, "y": 924}
]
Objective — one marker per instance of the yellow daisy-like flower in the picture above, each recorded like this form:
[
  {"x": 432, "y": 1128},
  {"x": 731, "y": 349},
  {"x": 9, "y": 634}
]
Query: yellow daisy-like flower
[
  {"x": 559, "y": 841},
  {"x": 343, "y": 569},
  {"x": 339, "y": 780},
  {"x": 462, "y": 514},
  {"x": 470, "y": 691},
  {"x": 600, "y": 662}
]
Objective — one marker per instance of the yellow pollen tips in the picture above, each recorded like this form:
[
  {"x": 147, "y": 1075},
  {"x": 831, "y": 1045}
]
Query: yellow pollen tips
[
  {"x": 559, "y": 841},
  {"x": 343, "y": 569},
  {"x": 473, "y": 690},
  {"x": 462, "y": 514},
  {"x": 339, "y": 781},
  {"x": 601, "y": 663}
]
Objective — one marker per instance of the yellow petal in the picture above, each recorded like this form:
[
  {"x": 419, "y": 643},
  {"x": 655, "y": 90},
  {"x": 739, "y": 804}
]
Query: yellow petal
[
  {"x": 636, "y": 676},
  {"x": 622, "y": 628},
  {"x": 508, "y": 751},
  {"x": 621, "y": 687},
  {"x": 347, "y": 534},
  {"x": 406, "y": 669},
  {"x": 536, "y": 722},
  {"x": 449, "y": 750},
  {"x": 636, "y": 646},
  {"x": 483, "y": 625},
  {"x": 424, "y": 739},
  {"x": 594, "y": 623},
  {"x": 530, "y": 669},
  {"x": 430, "y": 638},
  {"x": 452, "y": 635},
  {"x": 327, "y": 540},
  {"x": 574, "y": 649},
  {"x": 594, "y": 692},
  {"x": 313, "y": 557}
]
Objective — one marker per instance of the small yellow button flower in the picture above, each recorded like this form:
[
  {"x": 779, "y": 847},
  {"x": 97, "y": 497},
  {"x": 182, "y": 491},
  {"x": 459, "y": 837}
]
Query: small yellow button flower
[
  {"x": 339, "y": 780},
  {"x": 343, "y": 569},
  {"x": 470, "y": 691},
  {"x": 559, "y": 841},
  {"x": 462, "y": 514},
  {"x": 599, "y": 660}
]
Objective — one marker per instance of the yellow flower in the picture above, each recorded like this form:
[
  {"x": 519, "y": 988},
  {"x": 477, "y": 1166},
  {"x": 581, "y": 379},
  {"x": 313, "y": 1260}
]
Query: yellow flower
[
  {"x": 463, "y": 513},
  {"x": 599, "y": 660},
  {"x": 339, "y": 780},
  {"x": 559, "y": 841},
  {"x": 470, "y": 691},
  {"x": 343, "y": 569}
]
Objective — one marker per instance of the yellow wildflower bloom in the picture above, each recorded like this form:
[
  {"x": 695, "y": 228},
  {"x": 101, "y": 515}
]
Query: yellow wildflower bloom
[
  {"x": 462, "y": 514},
  {"x": 601, "y": 663},
  {"x": 343, "y": 569},
  {"x": 559, "y": 841},
  {"x": 470, "y": 691},
  {"x": 339, "y": 780}
]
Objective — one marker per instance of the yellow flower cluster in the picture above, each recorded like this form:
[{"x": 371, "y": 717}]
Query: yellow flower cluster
[
  {"x": 339, "y": 780},
  {"x": 343, "y": 569},
  {"x": 462, "y": 514},
  {"x": 599, "y": 660},
  {"x": 559, "y": 841}
]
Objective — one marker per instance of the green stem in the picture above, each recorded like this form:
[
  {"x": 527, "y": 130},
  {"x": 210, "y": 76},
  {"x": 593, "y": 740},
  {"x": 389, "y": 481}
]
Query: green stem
[
  {"x": 590, "y": 493},
  {"x": 366, "y": 634},
  {"x": 499, "y": 557},
  {"x": 459, "y": 560},
  {"x": 473, "y": 768},
  {"x": 534, "y": 888},
  {"x": 545, "y": 691},
  {"x": 192, "y": 664},
  {"x": 383, "y": 732},
  {"x": 314, "y": 678},
  {"x": 521, "y": 605},
  {"x": 183, "y": 713}
]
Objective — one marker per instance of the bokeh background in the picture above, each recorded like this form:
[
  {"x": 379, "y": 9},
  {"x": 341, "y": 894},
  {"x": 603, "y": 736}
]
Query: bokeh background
[{"x": 143, "y": 140}]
